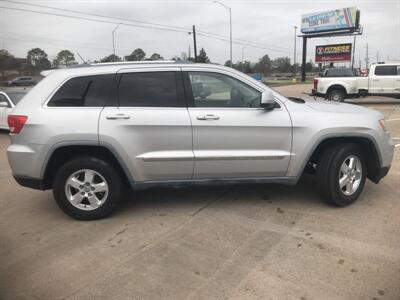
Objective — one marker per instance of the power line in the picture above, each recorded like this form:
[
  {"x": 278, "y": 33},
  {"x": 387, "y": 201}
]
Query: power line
[
  {"x": 87, "y": 19},
  {"x": 98, "y": 15},
  {"x": 154, "y": 26}
]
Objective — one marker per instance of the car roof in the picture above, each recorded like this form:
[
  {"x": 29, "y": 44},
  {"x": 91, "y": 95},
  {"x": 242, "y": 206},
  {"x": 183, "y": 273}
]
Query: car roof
[{"x": 116, "y": 66}]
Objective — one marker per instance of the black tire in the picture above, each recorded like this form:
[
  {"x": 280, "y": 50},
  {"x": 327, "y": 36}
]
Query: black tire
[
  {"x": 328, "y": 174},
  {"x": 337, "y": 95},
  {"x": 105, "y": 169}
]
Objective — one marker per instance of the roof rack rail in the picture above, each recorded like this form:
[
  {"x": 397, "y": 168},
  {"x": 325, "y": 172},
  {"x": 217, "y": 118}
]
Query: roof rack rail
[{"x": 134, "y": 62}]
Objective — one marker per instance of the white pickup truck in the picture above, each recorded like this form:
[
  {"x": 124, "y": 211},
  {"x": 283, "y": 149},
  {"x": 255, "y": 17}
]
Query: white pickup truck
[{"x": 382, "y": 79}]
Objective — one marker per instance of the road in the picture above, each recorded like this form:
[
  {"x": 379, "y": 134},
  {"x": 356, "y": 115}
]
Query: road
[{"x": 232, "y": 242}]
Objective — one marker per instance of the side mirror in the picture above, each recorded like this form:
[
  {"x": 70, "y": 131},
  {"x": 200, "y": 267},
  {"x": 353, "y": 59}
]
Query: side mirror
[
  {"x": 3, "y": 104},
  {"x": 267, "y": 100}
]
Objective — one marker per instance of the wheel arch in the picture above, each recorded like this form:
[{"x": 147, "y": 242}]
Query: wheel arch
[
  {"x": 368, "y": 146},
  {"x": 337, "y": 86},
  {"x": 65, "y": 152}
]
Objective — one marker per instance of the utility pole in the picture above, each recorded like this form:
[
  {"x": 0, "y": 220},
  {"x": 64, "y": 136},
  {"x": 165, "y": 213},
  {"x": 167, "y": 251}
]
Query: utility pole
[
  {"x": 377, "y": 56},
  {"x": 294, "y": 54},
  {"x": 366, "y": 58},
  {"x": 359, "y": 58},
  {"x": 194, "y": 44},
  {"x": 189, "y": 52}
]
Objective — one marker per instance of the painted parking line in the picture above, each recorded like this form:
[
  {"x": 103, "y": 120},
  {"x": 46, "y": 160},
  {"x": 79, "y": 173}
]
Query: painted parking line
[{"x": 390, "y": 120}]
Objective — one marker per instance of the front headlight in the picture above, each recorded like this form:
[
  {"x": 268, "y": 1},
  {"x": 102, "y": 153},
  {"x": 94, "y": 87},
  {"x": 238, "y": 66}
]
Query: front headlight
[{"x": 382, "y": 124}]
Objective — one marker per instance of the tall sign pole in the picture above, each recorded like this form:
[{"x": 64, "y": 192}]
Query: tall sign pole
[
  {"x": 195, "y": 45},
  {"x": 303, "y": 60},
  {"x": 294, "y": 53}
]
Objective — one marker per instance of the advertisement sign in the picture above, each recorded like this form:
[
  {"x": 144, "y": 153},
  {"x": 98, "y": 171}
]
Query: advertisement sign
[
  {"x": 336, "y": 52},
  {"x": 338, "y": 19}
]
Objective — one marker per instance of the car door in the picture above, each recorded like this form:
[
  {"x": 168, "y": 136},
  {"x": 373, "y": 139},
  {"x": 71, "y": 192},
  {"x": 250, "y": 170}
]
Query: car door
[
  {"x": 148, "y": 125},
  {"x": 383, "y": 79},
  {"x": 233, "y": 137},
  {"x": 4, "y": 111}
]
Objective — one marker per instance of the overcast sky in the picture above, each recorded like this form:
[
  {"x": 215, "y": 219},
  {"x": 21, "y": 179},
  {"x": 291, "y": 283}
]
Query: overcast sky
[{"x": 269, "y": 23}]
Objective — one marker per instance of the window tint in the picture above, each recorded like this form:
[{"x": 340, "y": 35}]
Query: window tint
[
  {"x": 219, "y": 90},
  {"x": 339, "y": 73},
  {"x": 4, "y": 99},
  {"x": 15, "y": 97},
  {"x": 154, "y": 89},
  {"x": 386, "y": 70},
  {"x": 91, "y": 91}
]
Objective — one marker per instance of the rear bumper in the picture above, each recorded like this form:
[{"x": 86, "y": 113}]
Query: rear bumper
[
  {"x": 315, "y": 93},
  {"x": 33, "y": 183}
]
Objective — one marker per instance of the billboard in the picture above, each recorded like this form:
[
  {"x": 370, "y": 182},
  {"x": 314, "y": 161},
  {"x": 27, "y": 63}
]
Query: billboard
[
  {"x": 338, "y": 19},
  {"x": 336, "y": 52}
]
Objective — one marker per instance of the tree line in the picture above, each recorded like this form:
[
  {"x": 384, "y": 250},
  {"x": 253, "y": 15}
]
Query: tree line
[{"x": 37, "y": 60}]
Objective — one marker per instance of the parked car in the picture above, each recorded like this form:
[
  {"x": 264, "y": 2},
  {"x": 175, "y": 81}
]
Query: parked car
[
  {"x": 86, "y": 132},
  {"x": 382, "y": 79},
  {"x": 7, "y": 103},
  {"x": 21, "y": 81}
]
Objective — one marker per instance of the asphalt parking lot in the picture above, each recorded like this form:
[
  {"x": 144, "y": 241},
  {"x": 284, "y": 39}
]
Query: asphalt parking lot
[{"x": 236, "y": 242}]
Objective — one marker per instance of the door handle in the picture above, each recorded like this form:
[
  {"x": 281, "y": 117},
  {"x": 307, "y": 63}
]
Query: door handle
[
  {"x": 118, "y": 117},
  {"x": 208, "y": 117},
  {"x": 375, "y": 79}
]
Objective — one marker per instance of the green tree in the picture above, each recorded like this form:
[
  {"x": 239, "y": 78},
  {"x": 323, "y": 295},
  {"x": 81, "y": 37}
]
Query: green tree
[
  {"x": 7, "y": 62},
  {"x": 228, "y": 63},
  {"x": 110, "y": 58},
  {"x": 264, "y": 65},
  {"x": 38, "y": 58},
  {"x": 282, "y": 64},
  {"x": 66, "y": 58},
  {"x": 245, "y": 67},
  {"x": 156, "y": 56},
  {"x": 202, "y": 57},
  {"x": 309, "y": 66},
  {"x": 137, "y": 55}
]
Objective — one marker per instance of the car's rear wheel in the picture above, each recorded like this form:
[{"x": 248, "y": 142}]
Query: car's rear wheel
[
  {"x": 341, "y": 174},
  {"x": 87, "y": 188},
  {"x": 336, "y": 95}
]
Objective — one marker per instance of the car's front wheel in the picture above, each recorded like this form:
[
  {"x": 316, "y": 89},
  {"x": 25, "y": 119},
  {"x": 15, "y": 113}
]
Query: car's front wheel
[
  {"x": 87, "y": 188},
  {"x": 341, "y": 174}
]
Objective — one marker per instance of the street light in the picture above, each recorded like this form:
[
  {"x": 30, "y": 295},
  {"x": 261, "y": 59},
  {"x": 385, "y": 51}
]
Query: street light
[
  {"x": 230, "y": 25},
  {"x": 294, "y": 53},
  {"x": 116, "y": 27}
]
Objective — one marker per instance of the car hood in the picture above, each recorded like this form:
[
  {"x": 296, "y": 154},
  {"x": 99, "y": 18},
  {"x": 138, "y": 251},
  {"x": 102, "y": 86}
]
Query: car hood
[{"x": 337, "y": 107}]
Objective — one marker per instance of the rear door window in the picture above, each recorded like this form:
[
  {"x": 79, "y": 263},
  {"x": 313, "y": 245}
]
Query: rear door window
[
  {"x": 385, "y": 70},
  {"x": 148, "y": 89},
  {"x": 88, "y": 91}
]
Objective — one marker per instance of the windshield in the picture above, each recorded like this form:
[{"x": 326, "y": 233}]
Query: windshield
[{"x": 15, "y": 96}]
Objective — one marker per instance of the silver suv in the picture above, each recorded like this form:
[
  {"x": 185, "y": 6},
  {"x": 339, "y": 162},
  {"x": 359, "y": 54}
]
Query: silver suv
[{"x": 86, "y": 132}]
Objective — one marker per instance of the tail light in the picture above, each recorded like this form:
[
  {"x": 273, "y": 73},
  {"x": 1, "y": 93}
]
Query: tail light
[
  {"x": 16, "y": 123},
  {"x": 315, "y": 84}
]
